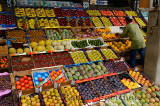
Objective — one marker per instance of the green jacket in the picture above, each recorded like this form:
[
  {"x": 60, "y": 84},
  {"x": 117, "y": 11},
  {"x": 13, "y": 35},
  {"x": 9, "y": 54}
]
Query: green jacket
[{"x": 133, "y": 32}]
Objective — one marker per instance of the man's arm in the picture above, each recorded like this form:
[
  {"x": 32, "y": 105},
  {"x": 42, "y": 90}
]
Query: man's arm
[{"x": 125, "y": 31}]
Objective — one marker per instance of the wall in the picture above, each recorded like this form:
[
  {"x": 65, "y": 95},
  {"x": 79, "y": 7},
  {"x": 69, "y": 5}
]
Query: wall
[{"x": 144, "y": 3}]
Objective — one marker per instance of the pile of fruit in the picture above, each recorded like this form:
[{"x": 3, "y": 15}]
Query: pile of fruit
[
  {"x": 73, "y": 22},
  {"x": 73, "y": 73},
  {"x": 130, "y": 100},
  {"x": 87, "y": 71},
  {"x": 79, "y": 44},
  {"x": 99, "y": 69},
  {"x": 106, "y": 21},
  {"x": 140, "y": 21},
  {"x": 30, "y": 12},
  {"x": 101, "y": 87},
  {"x": 143, "y": 33},
  {"x": 63, "y": 22},
  {"x": 115, "y": 21},
  {"x": 36, "y": 33},
  {"x": 119, "y": 13},
  {"x": 131, "y": 13},
  {"x": 0, "y": 7},
  {"x": 71, "y": 96},
  {"x": 33, "y": 100},
  {"x": 105, "y": 30},
  {"x": 61, "y": 45},
  {"x": 41, "y": 76},
  {"x": 19, "y": 50},
  {"x": 139, "y": 78},
  {"x": 122, "y": 66},
  {"x": 121, "y": 46},
  {"x": 31, "y": 23},
  {"x": 19, "y": 12},
  {"x": 3, "y": 62},
  {"x": 130, "y": 84},
  {"x": 122, "y": 20},
  {"x": 40, "y": 12},
  {"x": 54, "y": 74},
  {"x": 67, "y": 13},
  {"x": 108, "y": 36},
  {"x": 67, "y": 34},
  {"x": 50, "y": 13},
  {"x": 58, "y": 12},
  {"x": 37, "y": 39},
  {"x": 149, "y": 96},
  {"x": 96, "y": 42},
  {"x": 106, "y": 13},
  {"x": 43, "y": 60},
  {"x": 18, "y": 64},
  {"x": 44, "y": 23},
  {"x": 52, "y": 98},
  {"x": 114, "y": 101},
  {"x": 87, "y": 90},
  {"x": 62, "y": 58},
  {"x": 16, "y": 34},
  {"x": 24, "y": 83},
  {"x": 113, "y": 46},
  {"x": 109, "y": 54},
  {"x": 79, "y": 57},
  {"x": 53, "y": 23},
  {"x": 97, "y": 22},
  {"x": 5, "y": 82},
  {"x": 110, "y": 66},
  {"x": 94, "y": 12},
  {"x": 53, "y": 34},
  {"x": 94, "y": 55},
  {"x": 115, "y": 83},
  {"x": 8, "y": 20}
]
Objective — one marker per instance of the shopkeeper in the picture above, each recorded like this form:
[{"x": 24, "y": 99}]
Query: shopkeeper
[{"x": 132, "y": 30}]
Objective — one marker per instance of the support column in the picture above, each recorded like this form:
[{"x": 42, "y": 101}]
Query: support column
[{"x": 152, "y": 56}]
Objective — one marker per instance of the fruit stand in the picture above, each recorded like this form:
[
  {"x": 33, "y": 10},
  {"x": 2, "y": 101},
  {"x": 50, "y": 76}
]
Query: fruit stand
[{"x": 70, "y": 56}]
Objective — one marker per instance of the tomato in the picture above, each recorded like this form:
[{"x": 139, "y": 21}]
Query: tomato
[
  {"x": 25, "y": 81},
  {"x": 40, "y": 79},
  {"x": 23, "y": 88},
  {"x": 48, "y": 82},
  {"x": 25, "y": 77},
  {"x": 22, "y": 84},
  {"x": 27, "y": 86},
  {"x": 30, "y": 83},
  {"x": 18, "y": 87},
  {"x": 29, "y": 78},
  {"x": 45, "y": 84},
  {"x": 21, "y": 80},
  {"x": 17, "y": 82},
  {"x": 30, "y": 87}
]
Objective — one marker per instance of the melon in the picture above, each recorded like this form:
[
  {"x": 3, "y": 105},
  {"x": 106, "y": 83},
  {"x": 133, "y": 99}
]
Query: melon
[
  {"x": 19, "y": 50},
  {"x": 40, "y": 48},
  {"x": 12, "y": 50},
  {"x": 48, "y": 42},
  {"x": 26, "y": 50},
  {"x": 68, "y": 47},
  {"x": 41, "y": 43},
  {"x": 54, "y": 43},
  {"x": 33, "y": 44},
  {"x": 49, "y": 47}
]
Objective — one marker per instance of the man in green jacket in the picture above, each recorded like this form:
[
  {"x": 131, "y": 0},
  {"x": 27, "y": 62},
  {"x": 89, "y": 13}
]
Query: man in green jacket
[{"x": 137, "y": 40}]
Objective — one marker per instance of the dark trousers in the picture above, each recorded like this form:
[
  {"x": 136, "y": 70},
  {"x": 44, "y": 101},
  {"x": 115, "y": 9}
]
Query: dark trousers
[{"x": 133, "y": 56}]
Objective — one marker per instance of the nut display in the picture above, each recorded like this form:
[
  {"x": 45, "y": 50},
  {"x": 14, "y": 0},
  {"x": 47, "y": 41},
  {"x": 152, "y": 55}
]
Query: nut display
[
  {"x": 36, "y": 33},
  {"x": 16, "y": 34}
]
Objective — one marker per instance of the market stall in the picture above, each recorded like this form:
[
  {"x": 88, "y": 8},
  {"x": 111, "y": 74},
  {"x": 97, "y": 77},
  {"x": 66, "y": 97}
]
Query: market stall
[{"x": 61, "y": 55}]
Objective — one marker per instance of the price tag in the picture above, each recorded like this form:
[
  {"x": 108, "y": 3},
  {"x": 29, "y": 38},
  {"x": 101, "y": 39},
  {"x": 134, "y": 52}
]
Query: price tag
[
  {"x": 20, "y": 93},
  {"x": 40, "y": 89},
  {"x": 36, "y": 89},
  {"x": 72, "y": 82},
  {"x": 136, "y": 69},
  {"x": 55, "y": 85}
]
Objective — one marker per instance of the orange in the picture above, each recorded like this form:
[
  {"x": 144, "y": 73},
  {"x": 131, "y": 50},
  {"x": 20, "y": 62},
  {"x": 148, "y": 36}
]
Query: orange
[
  {"x": 25, "y": 77},
  {"x": 29, "y": 78},
  {"x": 23, "y": 88},
  {"x": 60, "y": 71},
  {"x": 22, "y": 84},
  {"x": 27, "y": 86},
  {"x": 61, "y": 80},
  {"x": 18, "y": 87},
  {"x": 53, "y": 71},
  {"x": 51, "y": 74},
  {"x": 64, "y": 78},
  {"x": 17, "y": 82},
  {"x": 53, "y": 77},
  {"x": 30, "y": 83}
]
